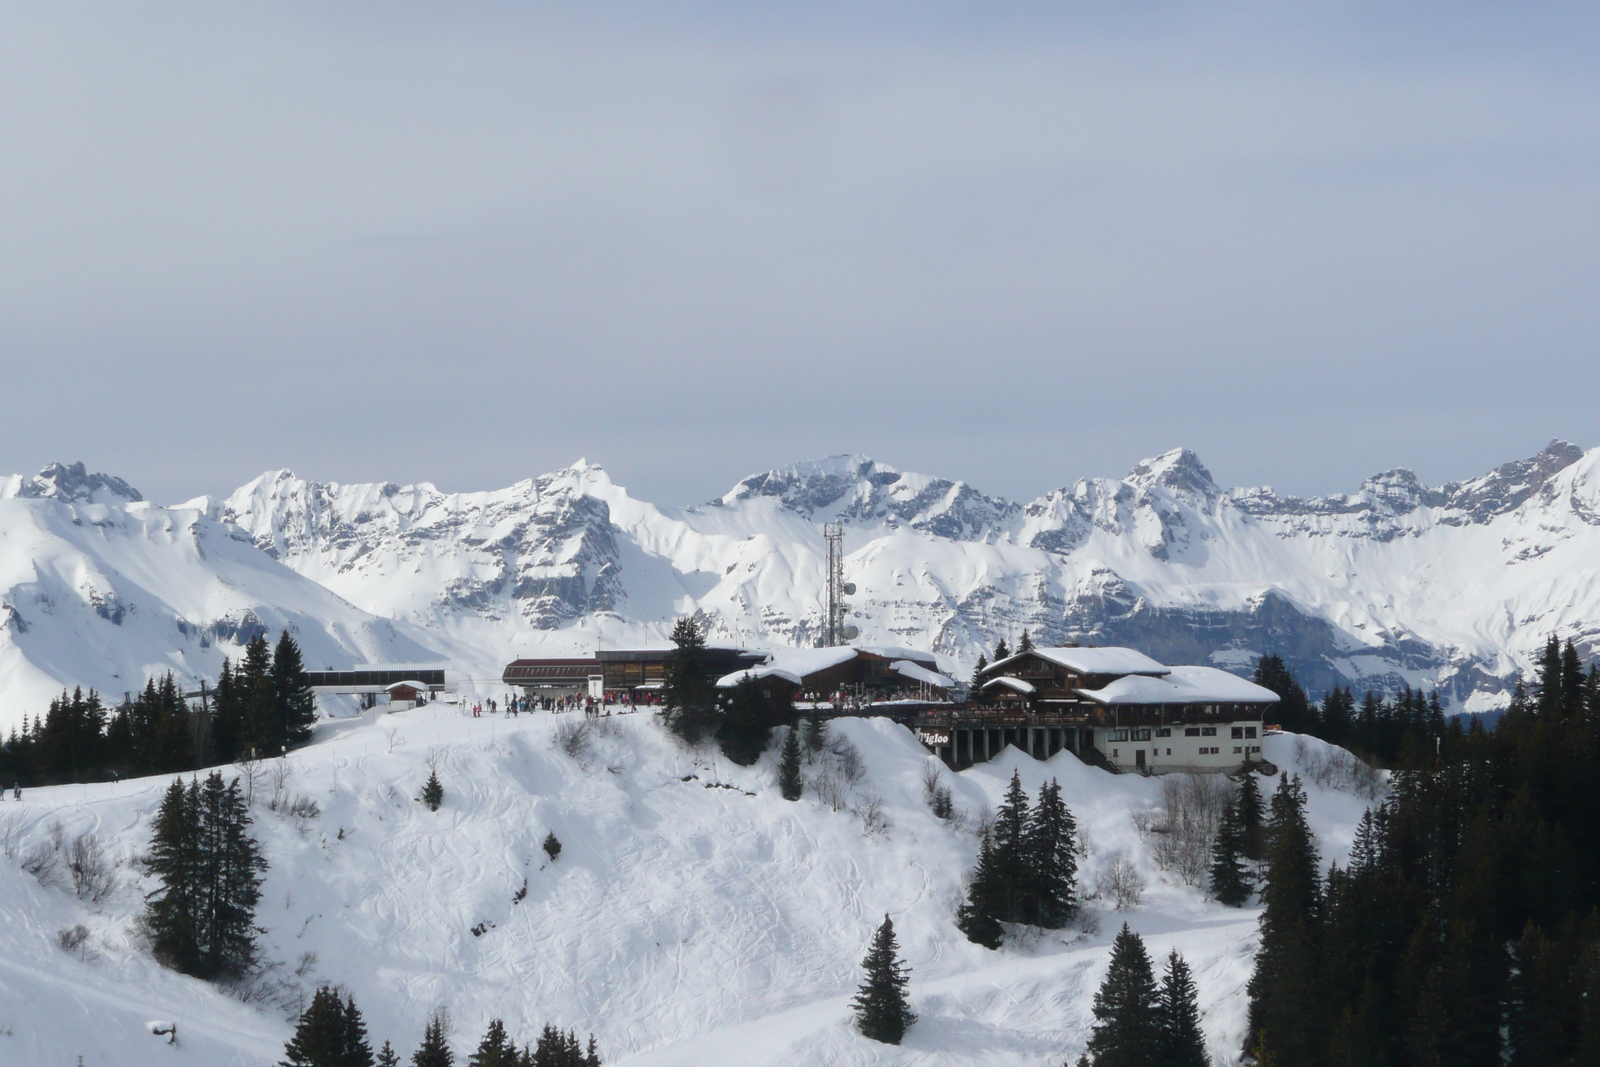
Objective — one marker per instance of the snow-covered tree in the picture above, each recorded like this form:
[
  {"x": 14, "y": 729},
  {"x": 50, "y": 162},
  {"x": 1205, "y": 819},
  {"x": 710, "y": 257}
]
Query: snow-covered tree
[
  {"x": 433, "y": 790},
  {"x": 789, "y": 783}
]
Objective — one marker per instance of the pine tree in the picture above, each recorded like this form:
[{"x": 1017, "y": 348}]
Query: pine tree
[
  {"x": 433, "y": 791},
  {"x": 975, "y": 687},
  {"x": 1294, "y": 710},
  {"x": 816, "y": 735},
  {"x": 882, "y": 1012},
  {"x": 1252, "y": 825},
  {"x": 1001, "y": 651},
  {"x": 319, "y": 1036},
  {"x": 230, "y": 880},
  {"x": 1010, "y": 856},
  {"x": 1178, "y": 1011},
  {"x": 261, "y": 732},
  {"x": 1283, "y": 989},
  {"x": 293, "y": 700},
  {"x": 1026, "y": 644},
  {"x": 1127, "y": 1031},
  {"x": 496, "y": 1049},
  {"x": 745, "y": 726},
  {"x": 435, "y": 1048},
  {"x": 789, "y": 783},
  {"x": 1051, "y": 861},
  {"x": 172, "y": 913},
  {"x": 552, "y": 847},
  {"x": 976, "y": 917},
  {"x": 387, "y": 1057},
  {"x": 688, "y": 690},
  {"x": 1229, "y": 884}
]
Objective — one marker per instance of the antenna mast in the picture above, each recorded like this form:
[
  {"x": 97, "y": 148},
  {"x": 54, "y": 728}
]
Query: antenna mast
[{"x": 835, "y": 632}]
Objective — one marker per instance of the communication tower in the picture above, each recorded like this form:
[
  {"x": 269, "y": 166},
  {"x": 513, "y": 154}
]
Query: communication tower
[{"x": 835, "y": 632}]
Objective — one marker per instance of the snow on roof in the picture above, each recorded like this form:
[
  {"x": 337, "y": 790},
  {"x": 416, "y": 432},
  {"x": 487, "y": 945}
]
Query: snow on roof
[
  {"x": 1182, "y": 685},
  {"x": 729, "y": 681},
  {"x": 918, "y": 673},
  {"x": 1094, "y": 660},
  {"x": 896, "y": 652},
  {"x": 419, "y": 686},
  {"x": 804, "y": 661},
  {"x": 1010, "y": 683}
]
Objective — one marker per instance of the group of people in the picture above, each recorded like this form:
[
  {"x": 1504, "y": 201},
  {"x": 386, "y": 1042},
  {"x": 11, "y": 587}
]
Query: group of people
[{"x": 514, "y": 705}]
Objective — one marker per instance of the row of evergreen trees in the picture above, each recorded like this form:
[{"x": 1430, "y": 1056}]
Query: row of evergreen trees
[
  {"x": 331, "y": 1033},
  {"x": 201, "y": 919},
  {"x": 1027, "y": 867},
  {"x": 1139, "y": 1023},
  {"x": 260, "y": 706},
  {"x": 1464, "y": 930}
]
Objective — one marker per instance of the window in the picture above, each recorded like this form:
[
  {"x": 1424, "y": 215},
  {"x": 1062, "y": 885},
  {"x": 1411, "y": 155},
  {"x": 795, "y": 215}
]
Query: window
[
  {"x": 1192, "y": 731},
  {"x": 1118, "y": 735},
  {"x": 1169, "y": 751},
  {"x": 1208, "y": 731},
  {"x": 1255, "y": 748},
  {"x": 1141, "y": 735},
  {"x": 1167, "y": 732},
  {"x": 1237, "y": 750},
  {"x": 1113, "y": 753},
  {"x": 1238, "y": 732},
  {"x": 1249, "y": 731}
]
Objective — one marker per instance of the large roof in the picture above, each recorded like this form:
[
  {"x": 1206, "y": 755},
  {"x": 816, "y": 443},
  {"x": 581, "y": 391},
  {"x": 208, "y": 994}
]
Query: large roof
[
  {"x": 1093, "y": 660},
  {"x": 918, "y": 673},
  {"x": 729, "y": 681},
  {"x": 1182, "y": 685}
]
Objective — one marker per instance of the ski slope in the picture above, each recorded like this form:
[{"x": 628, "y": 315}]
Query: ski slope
[{"x": 693, "y": 916}]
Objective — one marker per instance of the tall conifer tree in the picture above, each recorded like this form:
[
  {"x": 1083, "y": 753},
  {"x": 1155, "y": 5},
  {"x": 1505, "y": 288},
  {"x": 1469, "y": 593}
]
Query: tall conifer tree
[
  {"x": 882, "y": 1012},
  {"x": 1178, "y": 1009},
  {"x": 1127, "y": 1030}
]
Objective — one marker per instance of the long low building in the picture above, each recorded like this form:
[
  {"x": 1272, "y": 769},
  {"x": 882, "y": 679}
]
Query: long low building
[{"x": 1112, "y": 706}]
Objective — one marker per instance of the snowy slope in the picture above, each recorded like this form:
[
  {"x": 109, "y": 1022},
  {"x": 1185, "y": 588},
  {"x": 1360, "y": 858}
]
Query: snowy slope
[
  {"x": 100, "y": 589},
  {"x": 685, "y": 922},
  {"x": 1398, "y": 583}
]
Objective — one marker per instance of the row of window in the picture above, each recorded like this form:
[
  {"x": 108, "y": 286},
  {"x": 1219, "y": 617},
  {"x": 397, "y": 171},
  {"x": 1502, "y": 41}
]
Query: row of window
[
  {"x": 1239, "y": 733},
  {"x": 1211, "y": 750}
]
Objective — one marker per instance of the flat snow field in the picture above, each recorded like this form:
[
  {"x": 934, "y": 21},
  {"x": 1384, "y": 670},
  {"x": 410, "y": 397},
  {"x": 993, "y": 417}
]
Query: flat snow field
[{"x": 693, "y": 916}]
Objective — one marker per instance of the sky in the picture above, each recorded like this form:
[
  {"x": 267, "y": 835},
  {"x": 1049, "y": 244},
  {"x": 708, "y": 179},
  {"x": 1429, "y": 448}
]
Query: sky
[{"x": 1011, "y": 243}]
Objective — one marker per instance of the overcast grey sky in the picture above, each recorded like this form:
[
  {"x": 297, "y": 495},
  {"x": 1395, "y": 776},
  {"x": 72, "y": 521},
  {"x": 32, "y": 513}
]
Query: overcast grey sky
[{"x": 1012, "y": 243}]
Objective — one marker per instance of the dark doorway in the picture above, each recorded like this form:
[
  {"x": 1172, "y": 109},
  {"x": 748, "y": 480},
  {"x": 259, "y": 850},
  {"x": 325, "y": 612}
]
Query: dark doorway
[{"x": 1138, "y": 758}]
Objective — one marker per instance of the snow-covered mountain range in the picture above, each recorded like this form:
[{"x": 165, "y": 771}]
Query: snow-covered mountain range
[{"x": 1453, "y": 587}]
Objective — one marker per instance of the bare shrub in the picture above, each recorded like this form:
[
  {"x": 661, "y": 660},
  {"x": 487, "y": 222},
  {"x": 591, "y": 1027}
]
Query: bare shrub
[
  {"x": 1122, "y": 883},
  {"x": 43, "y": 860},
  {"x": 1181, "y": 831},
  {"x": 1340, "y": 769},
  {"x": 846, "y": 759},
  {"x": 869, "y": 807},
  {"x": 74, "y": 940},
  {"x": 572, "y": 737},
  {"x": 936, "y": 793},
  {"x": 89, "y": 870},
  {"x": 829, "y": 788}
]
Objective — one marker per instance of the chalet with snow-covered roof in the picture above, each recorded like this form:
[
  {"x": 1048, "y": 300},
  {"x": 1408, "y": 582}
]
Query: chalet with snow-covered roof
[
  {"x": 859, "y": 675},
  {"x": 1115, "y": 707}
]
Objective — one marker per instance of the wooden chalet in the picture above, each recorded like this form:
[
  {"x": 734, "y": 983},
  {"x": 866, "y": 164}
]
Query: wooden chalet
[{"x": 1115, "y": 707}]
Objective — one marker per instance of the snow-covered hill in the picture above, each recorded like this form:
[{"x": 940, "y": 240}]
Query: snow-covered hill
[
  {"x": 101, "y": 589},
  {"x": 1454, "y": 587},
  {"x": 693, "y": 916}
]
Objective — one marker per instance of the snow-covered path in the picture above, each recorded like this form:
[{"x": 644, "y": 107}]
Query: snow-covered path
[{"x": 692, "y": 917}]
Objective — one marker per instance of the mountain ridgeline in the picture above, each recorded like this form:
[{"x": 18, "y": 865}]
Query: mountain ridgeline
[{"x": 1453, "y": 588}]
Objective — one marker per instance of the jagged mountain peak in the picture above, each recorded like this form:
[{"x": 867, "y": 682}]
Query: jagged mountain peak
[
  {"x": 74, "y": 484},
  {"x": 1180, "y": 469}
]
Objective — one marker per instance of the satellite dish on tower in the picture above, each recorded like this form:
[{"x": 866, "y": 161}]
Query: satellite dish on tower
[
  {"x": 850, "y": 633},
  {"x": 848, "y": 589}
]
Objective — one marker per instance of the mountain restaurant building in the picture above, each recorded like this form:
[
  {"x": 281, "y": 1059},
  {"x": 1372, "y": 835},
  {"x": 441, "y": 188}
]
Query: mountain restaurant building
[{"x": 1115, "y": 707}]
